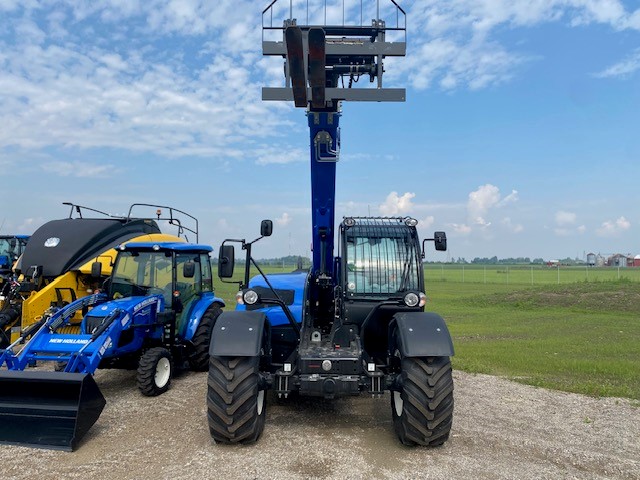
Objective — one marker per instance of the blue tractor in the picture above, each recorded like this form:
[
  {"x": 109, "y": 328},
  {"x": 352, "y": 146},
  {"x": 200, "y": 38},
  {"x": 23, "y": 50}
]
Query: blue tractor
[
  {"x": 155, "y": 312},
  {"x": 355, "y": 322}
]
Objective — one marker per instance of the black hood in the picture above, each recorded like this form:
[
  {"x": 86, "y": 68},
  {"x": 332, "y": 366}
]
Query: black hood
[{"x": 62, "y": 245}]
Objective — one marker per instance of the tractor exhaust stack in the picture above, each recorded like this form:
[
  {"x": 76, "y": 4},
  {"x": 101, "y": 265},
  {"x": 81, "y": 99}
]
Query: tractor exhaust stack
[{"x": 47, "y": 409}]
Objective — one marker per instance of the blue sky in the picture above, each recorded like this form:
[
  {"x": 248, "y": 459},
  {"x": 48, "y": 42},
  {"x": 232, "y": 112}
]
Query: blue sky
[{"x": 519, "y": 136}]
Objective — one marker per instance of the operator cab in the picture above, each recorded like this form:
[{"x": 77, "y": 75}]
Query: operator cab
[
  {"x": 11, "y": 247},
  {"x": 179, "y": 272},
  {"x": 381, "y": 274},
  {"x": 381, "y": 258}
]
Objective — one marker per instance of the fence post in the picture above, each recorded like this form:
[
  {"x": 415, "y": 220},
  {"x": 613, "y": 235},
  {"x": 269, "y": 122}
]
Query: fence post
[
  {"x": 462, "y": 273},
  {"x": 507, "y": 274},
  {"x": 531, "y": 274},
  {"x": 558, "y": 274},
  {"x": 485, "y": 274}
]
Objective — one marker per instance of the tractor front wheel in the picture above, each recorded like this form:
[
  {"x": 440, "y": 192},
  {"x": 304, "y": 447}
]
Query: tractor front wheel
[
  {"x": 422, "y": 406},
  {"x": 236, "y": 400},
  {"x": 199, "y": 359},
  {"x": 154, "y": 371}
]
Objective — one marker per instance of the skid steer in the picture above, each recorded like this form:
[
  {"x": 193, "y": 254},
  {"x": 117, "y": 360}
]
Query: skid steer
[
  {"x": 355, "y": 323},
  {"x": 156, "y": 311},
  {"x": 55, "y": 266}
]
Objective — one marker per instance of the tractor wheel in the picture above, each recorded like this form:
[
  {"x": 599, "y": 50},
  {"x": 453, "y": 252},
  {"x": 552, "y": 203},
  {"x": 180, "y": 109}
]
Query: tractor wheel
[
  {"x": 236, "y": 403},
  {"x": 199, "y": 359},
  {"x": 422, "y": 407},
  {"x": 154, "y": 371}
]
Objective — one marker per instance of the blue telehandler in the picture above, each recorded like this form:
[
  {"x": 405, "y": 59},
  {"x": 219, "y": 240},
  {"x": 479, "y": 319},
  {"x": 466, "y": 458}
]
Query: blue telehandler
[
  {"x": 155, "y": 312},
  {"x": 355, "y": 322}
]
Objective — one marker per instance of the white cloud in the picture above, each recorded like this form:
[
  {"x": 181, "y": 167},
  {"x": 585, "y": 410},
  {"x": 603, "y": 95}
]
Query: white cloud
[
  {"x": 427, "y": 221},
  {"x": 278, "y": 154},
  {"x": 79, "y": 169},
  {"x": 397, "y": 205},
  {"x": 614, "y": 227},
  {"x": 284, "y": 220},
  {"x": 483, "y": 200},
  {"x": 460, "y": 228},
  {"x": 512, "y": 227},
  {"x": 624, "y": 68},
  {"x": 565, "y": 218},
  {"x": 453, "y": 46}
]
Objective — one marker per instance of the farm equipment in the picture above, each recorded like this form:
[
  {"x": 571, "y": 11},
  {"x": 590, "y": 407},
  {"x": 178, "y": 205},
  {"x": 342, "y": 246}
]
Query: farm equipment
[
  {"x": 157, "y": 310},
  {"x": 11, "y": 247},
  {"x": 355, "y": 323},
  {"x": 55, "y": 266}
]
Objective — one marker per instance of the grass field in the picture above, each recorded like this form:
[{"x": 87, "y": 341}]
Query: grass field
[
  {"x": 579, "y": 336},
  {"x": 526, "y": 274}
]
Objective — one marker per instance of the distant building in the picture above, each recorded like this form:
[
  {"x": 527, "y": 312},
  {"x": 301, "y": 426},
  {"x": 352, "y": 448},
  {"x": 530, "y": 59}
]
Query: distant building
[
  {"x": 618, "y": 260},
  {"x": 636, "y": 261},
  {"x": 591, "y": 259}
]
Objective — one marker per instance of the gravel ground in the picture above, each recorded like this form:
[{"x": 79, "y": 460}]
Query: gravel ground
[{"x": 501, "y": 430}]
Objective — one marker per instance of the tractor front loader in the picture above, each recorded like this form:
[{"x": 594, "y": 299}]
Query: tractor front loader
[
  {"x": 157, "y": 312},
  {"x": 355, "y": 323}
]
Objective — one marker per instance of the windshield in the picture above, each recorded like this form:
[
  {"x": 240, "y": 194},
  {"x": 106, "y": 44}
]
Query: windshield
[
  {"x": 382, "y": 265},
  {"x": 7, "y": 249},
  {"x": 142, "y": 273}
]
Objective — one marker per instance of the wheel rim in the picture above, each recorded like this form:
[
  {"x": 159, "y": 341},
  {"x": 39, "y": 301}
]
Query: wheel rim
[
  {"x": 260, "y": 402},
  {"x": 398, "y": 403},
  {"x": 163, "y": 372}
]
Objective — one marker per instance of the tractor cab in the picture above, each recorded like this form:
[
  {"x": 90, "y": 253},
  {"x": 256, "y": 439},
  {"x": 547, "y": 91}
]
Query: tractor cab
[
  {"x": 179, "y": 272},
  {"x": 381, "y": 275},
  {"x": 11, "y": 247},
  {"x": 381, "y": 258}
]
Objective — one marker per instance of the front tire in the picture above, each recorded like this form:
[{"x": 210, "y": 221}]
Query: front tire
[
  {"x": 236, "y": 402},
  {"x": 199, "y": 359},
  {"x": 155, "y": 370},
  {"x": 422, "y": 406}
]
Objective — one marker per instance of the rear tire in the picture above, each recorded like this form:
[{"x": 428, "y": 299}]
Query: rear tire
[
  {"x": 155, "y": 370},
  {"x": 422, "y": 408},
  {"x": 236, "y": 403},
  {"x": 199, "y": 359}
]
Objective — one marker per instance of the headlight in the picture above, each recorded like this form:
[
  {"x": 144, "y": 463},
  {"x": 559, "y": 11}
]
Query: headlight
[
  {"x": 411, "y": 299},
  {"x": 349, "y": 222},
  {"x": 250, "y": 297},
  {"x": 423, "y": 300},
  {"x": 410, "y": 222},
  {"x": 239, "y": 299}
]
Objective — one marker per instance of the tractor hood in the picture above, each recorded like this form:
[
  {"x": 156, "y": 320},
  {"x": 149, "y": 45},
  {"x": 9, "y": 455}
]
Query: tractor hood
[{"x": 130, "y": 305}]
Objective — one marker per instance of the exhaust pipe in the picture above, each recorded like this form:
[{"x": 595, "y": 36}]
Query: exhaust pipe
[{"x": 47, "y": 409}]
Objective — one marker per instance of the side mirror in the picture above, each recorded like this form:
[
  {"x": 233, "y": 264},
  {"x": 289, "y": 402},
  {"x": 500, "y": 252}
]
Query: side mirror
[
  {"x": 266, "y": 228},
  {"x": 440, "y": 240},
  {"x": 96, "y": 270},
  {"x": 188, "y": 269},
  {"x": 226, "y": 261}
]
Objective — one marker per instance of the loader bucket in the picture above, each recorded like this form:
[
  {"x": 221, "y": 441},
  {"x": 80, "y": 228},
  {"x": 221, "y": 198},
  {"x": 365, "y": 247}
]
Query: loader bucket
[{"x": 47, "y": 409}]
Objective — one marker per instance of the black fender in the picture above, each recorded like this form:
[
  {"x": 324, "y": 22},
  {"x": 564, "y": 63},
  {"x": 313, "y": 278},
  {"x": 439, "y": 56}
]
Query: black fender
[
  {"x": 239, "y": 334},
  {"x": 421, "y": 334}
]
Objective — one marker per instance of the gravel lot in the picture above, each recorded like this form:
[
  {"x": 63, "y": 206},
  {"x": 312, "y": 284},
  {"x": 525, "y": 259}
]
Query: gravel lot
[{"x": 501, "y": 430}]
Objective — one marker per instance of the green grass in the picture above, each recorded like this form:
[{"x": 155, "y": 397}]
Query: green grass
[
  {"x": 579, "y": 337},
  {"x": 526, "y": 274},
  {"x": 582, "y": 337}
]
